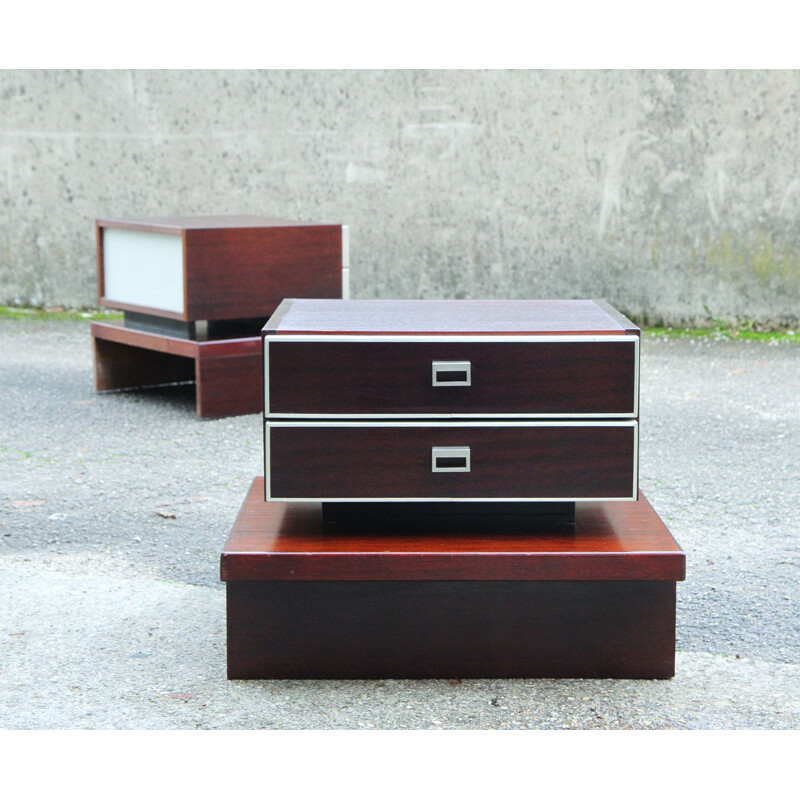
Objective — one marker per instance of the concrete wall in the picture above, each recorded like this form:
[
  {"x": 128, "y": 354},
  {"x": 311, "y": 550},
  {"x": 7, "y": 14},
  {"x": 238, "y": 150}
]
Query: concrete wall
[{"x": 663, "y": 192}]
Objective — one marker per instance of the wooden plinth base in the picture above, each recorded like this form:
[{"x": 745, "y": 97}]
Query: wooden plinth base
[
  {"x": 594, "y": 601},
  {"x": 227, "y": 372}
]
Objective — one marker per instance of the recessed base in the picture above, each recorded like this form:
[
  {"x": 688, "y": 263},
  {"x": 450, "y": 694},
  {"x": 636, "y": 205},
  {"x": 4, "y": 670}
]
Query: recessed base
[
  {"x": 447, "y": 517},
  {"x": 195, "y": 330},
  {"x": 150, "y": 323}
]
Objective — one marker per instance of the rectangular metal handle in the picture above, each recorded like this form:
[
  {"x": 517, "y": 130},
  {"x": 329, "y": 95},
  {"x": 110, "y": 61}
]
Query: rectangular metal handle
[
  {"x": 450, "y": 459},
  {"x": 452, "y": 373}
]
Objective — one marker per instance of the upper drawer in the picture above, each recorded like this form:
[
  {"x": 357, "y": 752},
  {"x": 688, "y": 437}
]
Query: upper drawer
[{"x": 447, "y": 376}]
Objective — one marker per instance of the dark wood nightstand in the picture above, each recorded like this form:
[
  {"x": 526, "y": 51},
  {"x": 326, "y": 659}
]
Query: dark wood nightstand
[
  {"x": 442, "y": 400},
  {"x": 196, "y": 291}
]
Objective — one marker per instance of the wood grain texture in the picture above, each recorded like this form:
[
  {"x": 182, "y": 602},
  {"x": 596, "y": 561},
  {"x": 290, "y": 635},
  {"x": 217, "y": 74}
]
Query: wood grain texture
[
  {"x": 610, "y": 541},
  {"x": 228, "y": 385},
  {"x": 247, "y": 272},
  {"x": 330, "y": 462},
  {"x": 144, "y": 340},
  {"x": 147, "y": 340},
  {"x": 446, "y": 317},
  {"x": 431, "y": 629},
  {"x": 507, "y": 377}
]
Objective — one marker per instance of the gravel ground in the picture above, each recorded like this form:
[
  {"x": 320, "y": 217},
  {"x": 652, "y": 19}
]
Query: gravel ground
[{"x": 114, "y": 509}]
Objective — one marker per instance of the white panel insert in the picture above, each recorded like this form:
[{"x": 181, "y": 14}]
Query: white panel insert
[{"x": 143, "y": 268}]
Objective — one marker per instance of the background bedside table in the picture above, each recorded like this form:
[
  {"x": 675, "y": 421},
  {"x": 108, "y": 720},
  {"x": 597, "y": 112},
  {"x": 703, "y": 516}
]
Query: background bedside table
[{"x": 195, "y": 292}]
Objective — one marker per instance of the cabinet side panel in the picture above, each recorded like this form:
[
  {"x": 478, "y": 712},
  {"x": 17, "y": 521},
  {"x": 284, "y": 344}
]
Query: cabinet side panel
[
  {"x": 453, "y": 629},
  {"x": 247, "y": 272},
  {"x": 229, "y": 385}
]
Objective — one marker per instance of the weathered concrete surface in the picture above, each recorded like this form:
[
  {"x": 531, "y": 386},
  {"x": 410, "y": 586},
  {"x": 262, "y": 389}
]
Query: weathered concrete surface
[
  {"x": 664, "y": 192},
  {"x": 136, "y": 653},
  {"x": 114, "y": 509}
]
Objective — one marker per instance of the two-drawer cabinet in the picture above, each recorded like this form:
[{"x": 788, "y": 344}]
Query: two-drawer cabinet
[{"x": 443, "y": 400}]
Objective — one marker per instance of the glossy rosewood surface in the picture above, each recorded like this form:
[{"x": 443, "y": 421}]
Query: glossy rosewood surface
[
  {"x": 116, "y": 332},
  {"x": 228, "y": 385},
  {"x": 327, "y": 462},
  {"x": 241, "y": 266},
  {"x": 615, "y": 541},
  {"x": 506, "y": 377},
  {"x": 451, "y": 629},
  {"x": 247, "y": 272},
  {"x": 456, "y": 317}
]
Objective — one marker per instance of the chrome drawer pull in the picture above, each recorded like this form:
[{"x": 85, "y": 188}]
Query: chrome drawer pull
[
  {"x": 450, "y": 459},
  {"x": 452, "y": 373}
]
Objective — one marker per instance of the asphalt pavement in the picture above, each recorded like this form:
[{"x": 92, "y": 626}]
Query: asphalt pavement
[{"x": 114, "y": 509}]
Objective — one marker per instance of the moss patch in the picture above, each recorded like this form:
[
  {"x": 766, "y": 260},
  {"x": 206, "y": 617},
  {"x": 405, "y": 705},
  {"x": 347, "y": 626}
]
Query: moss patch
[
  {"x": 81, "y": 315},
  {"x": 719, "y": 333},
  {"x": 771, "y": 262}
]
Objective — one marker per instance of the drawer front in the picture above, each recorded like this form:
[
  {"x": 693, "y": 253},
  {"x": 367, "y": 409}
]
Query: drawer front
[
  {"x": 441, "y": 377},
  {"x": 448, "y": 461}
]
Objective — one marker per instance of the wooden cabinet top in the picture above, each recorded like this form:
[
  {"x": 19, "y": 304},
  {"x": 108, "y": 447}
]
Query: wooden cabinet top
[
  {"x": 176, "y": 224},
  {"x": 610, "y": 541},
  {"x": 448, "y": 317}
]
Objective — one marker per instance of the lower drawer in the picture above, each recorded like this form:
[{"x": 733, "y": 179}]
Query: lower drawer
[{"x": 375, "y": 461}]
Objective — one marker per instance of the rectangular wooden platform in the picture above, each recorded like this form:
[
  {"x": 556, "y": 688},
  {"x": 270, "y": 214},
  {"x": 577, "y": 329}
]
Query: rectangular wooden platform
[
  {"x": 521, "y": 599},
  {"x": 226, "y": 372}
]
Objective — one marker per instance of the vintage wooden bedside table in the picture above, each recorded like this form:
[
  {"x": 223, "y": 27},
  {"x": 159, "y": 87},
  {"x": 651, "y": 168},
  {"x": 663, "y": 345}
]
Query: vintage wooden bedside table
[
  {"x": 450, "y": 490},
  {"x": 196, "y": 291}
]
